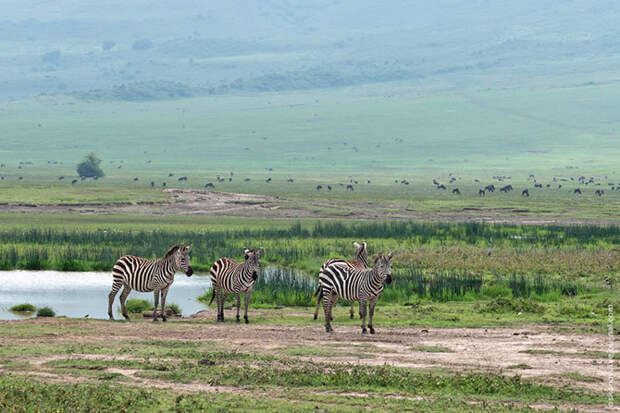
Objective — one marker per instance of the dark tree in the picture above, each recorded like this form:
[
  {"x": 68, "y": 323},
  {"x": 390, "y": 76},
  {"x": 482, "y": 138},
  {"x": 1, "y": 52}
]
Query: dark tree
[{"x": 89, "y": 167}]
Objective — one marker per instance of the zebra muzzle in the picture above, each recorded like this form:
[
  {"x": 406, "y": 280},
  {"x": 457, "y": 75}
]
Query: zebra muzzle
[
  {"x": 189, "y": 272},
  {"x": 388, "y": 279}
]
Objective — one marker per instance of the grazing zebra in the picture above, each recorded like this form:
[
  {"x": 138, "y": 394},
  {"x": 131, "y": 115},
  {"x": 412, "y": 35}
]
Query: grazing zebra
[
  {"x": 360, "y": 261},
  {"x": 229, "y": 276},
  {"x": 145, "y": 275},
  {"x": 352, "y": 284}
]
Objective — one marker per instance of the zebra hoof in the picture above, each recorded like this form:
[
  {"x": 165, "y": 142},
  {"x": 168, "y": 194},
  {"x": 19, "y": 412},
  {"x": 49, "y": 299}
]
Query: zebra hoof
[
  {"x": 315, "y": 317},
  {"x": 352, "y": 316},
  {"x": 364, "y": 331},
  {"x": 372, "y": 330},
  {"x": 164, "y": 319},
  {"x": 329, "y": 329},
  {"x": 238, "y": 320},
  {"x": 246, "y": 320}
]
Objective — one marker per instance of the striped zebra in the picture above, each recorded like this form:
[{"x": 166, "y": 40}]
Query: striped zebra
[
  {"x": 359, "y": 261},
  {"x": 341, "y": 280},
  {"x": 145, "y": 275},
  {"x": 232, "y": 277}
]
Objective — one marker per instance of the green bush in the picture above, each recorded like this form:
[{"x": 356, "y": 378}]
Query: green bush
[
  {"x": 138, "y": 306},
  {"x": 519, "y": 305},
  {"x": 23, "y": 308},
  {"x": 46, "y": 312},
  {"x": 174, "y": 308},
  {"x": 89, "y": 167}
]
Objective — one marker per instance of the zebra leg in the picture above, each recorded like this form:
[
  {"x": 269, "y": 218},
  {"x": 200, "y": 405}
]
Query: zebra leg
[
  {"x": 363, "y": 314},
  {"x": 238, "y": 295},
  {"x": 116, "y": 285},
  {"x": 327, "y": 309},
  {"x": 156, "y": 300},
  {"x": 371, "y": 312},
  {"x": 164, "y": 293},
  {"x": 248, "y": 294},
  {"x": 319, "y": 297},
  {"x": 123, "y": 297},
  {"x": 221, "y": 298},
  {"x": 352, "y": 312}
]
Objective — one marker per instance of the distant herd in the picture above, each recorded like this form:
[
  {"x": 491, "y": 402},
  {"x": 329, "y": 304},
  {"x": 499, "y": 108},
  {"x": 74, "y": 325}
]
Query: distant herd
[
  {"x": 557, "y": 182},
  {"x": 350, "y": 280}
]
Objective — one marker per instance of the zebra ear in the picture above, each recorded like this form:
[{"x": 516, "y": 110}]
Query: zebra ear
[
  {"x": 389, "y": 257},
  {"x": 245, "y": 251},
  {"x": 259, "y": 253},
  {"x": 356, "y": 245},
  {"x": 188, "y": 248}
]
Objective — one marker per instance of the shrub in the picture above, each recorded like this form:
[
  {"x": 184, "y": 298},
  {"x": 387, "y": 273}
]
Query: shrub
[
  {"x": 520, "y": 305},
  {"x": 138, "y": 306},
  {"x": 89, "y": 167},
  {"x": 174, "y": 308},
  {"x": 46, "y": 312},
  {"x": 23, "y": 308}
]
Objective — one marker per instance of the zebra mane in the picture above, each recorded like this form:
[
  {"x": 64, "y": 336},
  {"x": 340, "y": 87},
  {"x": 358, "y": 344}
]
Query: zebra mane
[{"x": 172, "y": 250}]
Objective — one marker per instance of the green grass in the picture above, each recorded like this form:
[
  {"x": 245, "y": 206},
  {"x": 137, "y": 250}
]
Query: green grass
[{"x": 138, "y": 306}]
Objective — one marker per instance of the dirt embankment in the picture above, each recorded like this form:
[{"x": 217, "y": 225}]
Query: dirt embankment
[{"x": 212, "y": 203}]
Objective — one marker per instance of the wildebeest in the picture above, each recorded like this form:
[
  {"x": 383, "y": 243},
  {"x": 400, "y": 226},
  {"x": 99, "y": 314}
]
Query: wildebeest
[
  {"x": 368, "y": 181},
  {"x": 209, "y": 185},
  {"x": 526, "y": 193},
  {"x": 152, "y": 184},
  {"x": 290, "y": 180},
  {"x": 60, "y": 178},
  {"x": 599, "y": 192},
  {"x": 481, "y": 192},
  {"x": 183, "y": 178},
  {"x": 329, "y": 187},
  {"x": 506, "y": 188},
  {"x": 170, "y": 174},
  {"x": 442, "y": 186},
  {"x": 135, "y": 179},
  {"x": 74, "y": 181},
  {"x": 350, "y": 188},
  {"x": 456, "y": 191},
  {"x": 319, "y": 187},
  {"x": 268, "y": 180},
  {"x": 20, "y": 178},
  {"x": 537, "y": 185},
  {"x": 163, "y": 184},
  {"x": 577, "y": 191},
  {"x": 490, "y": 188},
  {"x": 246, "y": 180}
]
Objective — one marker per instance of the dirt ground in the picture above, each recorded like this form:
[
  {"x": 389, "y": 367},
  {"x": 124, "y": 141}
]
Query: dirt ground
[
  {"x": 498, "y": 350},
  {"x": 212, "y": 203}
]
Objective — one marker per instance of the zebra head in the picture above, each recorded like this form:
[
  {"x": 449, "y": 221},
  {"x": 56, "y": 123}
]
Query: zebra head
[
  {"x": 181, "y": 257},
  {"x": 251, "y": 258},
  {"x": 361, "y": 254},
  {"x": 383, "y": 267}
]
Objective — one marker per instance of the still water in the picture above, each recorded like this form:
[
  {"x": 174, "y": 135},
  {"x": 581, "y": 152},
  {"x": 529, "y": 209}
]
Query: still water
[{"x": 76, "y": 294}]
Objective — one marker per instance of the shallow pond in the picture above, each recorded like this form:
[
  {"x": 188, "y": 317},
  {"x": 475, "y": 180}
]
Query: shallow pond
[{"x": 76, "y": 294}]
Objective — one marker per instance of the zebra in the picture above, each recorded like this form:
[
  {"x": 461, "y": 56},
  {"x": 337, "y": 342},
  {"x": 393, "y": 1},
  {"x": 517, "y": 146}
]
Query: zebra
[
  {"x": 360, "y": 261},
  {"x": 229, "y": 276},
  {"x": 352, "y": 284},
  {"x": 146, "y": 275}
]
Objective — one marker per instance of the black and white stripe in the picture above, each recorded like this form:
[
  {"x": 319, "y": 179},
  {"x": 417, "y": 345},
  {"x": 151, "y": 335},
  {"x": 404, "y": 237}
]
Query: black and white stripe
[
  {"x": 340, "y": 280},
  {"x": 232, "y": 277},
  {"x": 140, "y": 274},
  {"x": 359, "y": 261}
]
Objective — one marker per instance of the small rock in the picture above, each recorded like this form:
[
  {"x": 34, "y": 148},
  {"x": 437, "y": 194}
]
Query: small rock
[{"x": 206, "y": 362}]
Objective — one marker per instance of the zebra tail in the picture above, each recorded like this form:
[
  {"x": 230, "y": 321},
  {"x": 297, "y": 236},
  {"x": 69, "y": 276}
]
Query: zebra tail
[
  {"x": 318, "y": 292},
  {"x": 212, "y": 296}
]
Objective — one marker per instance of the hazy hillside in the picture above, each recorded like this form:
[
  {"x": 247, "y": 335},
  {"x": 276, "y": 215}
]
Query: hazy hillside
[{"x": 144, "y": 50}]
